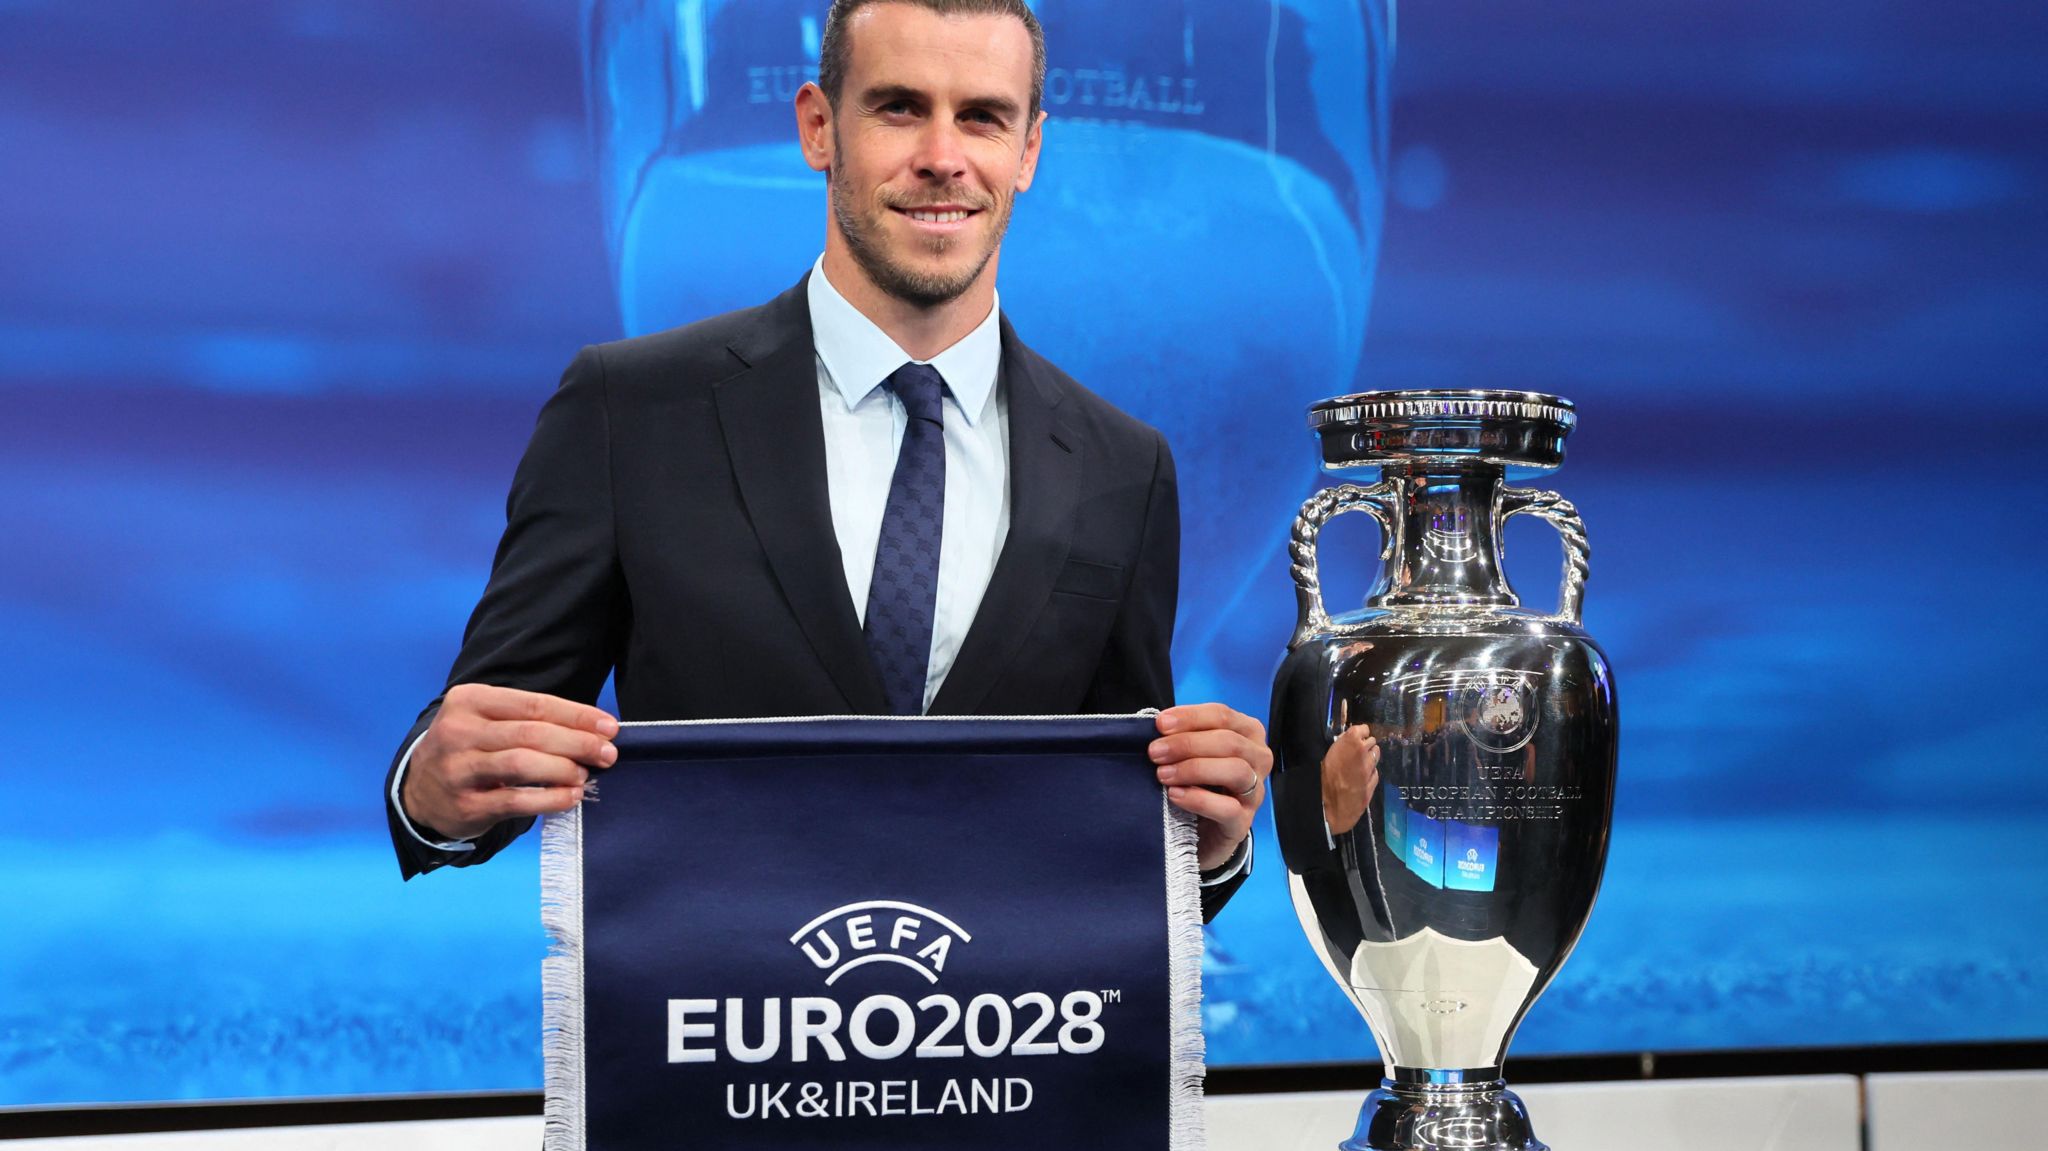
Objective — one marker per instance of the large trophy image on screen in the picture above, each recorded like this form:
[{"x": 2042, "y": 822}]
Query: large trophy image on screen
[{"x": 1444, "y": 759}]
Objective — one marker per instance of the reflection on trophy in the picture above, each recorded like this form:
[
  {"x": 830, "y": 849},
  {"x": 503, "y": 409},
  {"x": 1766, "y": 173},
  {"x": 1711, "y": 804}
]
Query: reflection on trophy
[{"x": 1444, "y": 759}]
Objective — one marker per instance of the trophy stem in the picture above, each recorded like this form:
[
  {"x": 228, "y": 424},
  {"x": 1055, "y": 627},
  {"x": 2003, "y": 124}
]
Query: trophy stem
[
  {"x": 1421, "y": 1111},
  {"x": 1445, "y": 524}
]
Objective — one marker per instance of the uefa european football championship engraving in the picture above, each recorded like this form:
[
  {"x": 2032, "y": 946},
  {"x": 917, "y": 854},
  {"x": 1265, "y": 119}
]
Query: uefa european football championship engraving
[{"x": 1444, "y": 864}]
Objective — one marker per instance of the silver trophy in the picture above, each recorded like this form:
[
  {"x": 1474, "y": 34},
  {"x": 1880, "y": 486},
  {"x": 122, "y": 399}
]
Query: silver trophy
[{"x": 1444, "y": 873}]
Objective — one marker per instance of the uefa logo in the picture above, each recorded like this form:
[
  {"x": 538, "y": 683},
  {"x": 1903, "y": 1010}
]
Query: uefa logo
[
  {"x": 879, "y": 931},
  {"x": 1500, "y": 715}
]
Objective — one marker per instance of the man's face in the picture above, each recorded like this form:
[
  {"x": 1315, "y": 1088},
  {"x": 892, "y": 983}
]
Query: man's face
[{"x": 930, "y": 143}]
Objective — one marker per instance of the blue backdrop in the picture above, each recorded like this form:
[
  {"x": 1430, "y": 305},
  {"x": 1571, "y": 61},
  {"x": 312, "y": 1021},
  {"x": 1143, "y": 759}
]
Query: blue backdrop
[{"x": 282, "y": 285}]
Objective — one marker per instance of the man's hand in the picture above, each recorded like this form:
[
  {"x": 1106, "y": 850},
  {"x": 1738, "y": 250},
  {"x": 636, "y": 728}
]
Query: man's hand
[
  {"x": 496, "y": 753},
  {"x": 1214, "y": 762},
  {"x": 1351, "y": 773}
]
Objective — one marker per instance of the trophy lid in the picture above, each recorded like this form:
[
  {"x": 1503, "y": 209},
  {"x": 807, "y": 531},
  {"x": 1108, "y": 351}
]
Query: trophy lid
[{"x": 1443, "y": 425}]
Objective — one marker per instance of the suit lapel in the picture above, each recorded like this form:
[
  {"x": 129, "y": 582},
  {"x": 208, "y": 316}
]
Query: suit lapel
[
  {"x": 775, "y": 438},
  {"x": 1045, "y": 478}
]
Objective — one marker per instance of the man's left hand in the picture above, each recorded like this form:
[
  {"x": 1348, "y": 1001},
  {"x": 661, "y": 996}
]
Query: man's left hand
[{"x": 1214, "y": 762}]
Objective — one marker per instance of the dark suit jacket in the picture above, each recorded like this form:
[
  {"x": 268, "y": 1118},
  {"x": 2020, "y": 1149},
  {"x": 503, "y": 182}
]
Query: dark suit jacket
[{"x": 669, "y": 522}]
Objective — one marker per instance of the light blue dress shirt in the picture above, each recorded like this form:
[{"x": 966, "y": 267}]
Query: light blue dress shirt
[{"x": 864, "y": 425}]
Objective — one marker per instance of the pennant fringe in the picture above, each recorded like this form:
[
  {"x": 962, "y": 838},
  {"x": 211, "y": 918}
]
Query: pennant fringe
[
  {"x": 1187, "y": 1131},
  {"x": 561, "y": 980}
]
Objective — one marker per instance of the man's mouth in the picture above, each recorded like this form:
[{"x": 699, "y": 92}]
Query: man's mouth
[{"x": 938, "y": 215}]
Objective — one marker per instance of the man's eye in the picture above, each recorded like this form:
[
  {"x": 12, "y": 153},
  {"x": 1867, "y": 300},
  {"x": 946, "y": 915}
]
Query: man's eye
[{"x": 896, "y": 108}]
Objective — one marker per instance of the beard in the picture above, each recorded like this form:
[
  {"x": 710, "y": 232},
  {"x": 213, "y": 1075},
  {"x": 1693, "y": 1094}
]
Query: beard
[{"x": 869, "y": 244}]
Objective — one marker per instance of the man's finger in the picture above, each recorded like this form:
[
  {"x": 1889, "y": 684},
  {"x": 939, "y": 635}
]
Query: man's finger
[
  {"x": 554, "y": 739},
  {"x": 1215, "y": 743},
  {"x": 1210, "y": 716},
  {"x": 1221, "y": 810},
  {"x": 508, "y": 802},
  {"x": 524, "y": 767},
  {"x": 1233, "y": 777},
  {"x": 512, "y": 703}
]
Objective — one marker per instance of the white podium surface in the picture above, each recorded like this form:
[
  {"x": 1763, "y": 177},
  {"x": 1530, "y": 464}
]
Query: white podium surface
[
  {"x": 1970, "y": 1111},
  {"x": 1984, "y": 1111},
  {"x": 515, "y": 1134},
  {"x": 1804, "y": 1113}
]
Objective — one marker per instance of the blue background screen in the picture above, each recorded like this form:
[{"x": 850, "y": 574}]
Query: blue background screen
[{"x": 284, "y": 282}]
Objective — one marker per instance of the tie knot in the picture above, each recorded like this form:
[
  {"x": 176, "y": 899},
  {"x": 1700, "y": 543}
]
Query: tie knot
[{"x": 921, "y": 389}]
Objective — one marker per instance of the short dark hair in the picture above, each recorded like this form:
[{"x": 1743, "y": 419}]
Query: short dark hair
[{"x": 832, "y": 49}]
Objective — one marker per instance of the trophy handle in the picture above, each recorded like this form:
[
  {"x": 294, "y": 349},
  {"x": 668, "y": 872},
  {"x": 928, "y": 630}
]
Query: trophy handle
[
  {"x": 1310, "y": 618},
  {"x": 1559, "y": 513}
]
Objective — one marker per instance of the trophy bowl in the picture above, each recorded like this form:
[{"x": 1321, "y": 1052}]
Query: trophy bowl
[{"x": 1444, "y": 759}]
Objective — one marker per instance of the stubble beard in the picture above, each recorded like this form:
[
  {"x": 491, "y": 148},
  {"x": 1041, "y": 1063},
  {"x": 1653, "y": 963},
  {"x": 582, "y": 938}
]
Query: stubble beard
[{"x": 914, "y": 286}]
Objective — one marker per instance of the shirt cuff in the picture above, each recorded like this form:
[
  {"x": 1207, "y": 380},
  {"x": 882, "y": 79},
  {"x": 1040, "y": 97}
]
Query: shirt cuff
[
  {"x": 397, "y": 785},
  {"x": 1236, "y": 864}
]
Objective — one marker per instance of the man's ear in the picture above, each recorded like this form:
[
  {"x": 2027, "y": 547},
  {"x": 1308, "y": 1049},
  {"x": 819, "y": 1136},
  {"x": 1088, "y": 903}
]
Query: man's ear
[
  {"x": 814, "y": 127},
  {"x": 1033, "y": 137}
]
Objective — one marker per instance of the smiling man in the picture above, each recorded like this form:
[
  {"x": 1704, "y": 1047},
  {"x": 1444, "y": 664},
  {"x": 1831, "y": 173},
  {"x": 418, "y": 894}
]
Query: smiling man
[{"x": 866, "y": 496}]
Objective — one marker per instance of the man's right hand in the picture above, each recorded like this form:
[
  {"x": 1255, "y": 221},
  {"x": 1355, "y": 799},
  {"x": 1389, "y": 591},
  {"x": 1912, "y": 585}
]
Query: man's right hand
[{"x": 497, "y": 753}]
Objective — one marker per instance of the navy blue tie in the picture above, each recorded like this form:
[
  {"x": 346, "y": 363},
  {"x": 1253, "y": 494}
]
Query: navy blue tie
[{"x": 904, "y": 592}]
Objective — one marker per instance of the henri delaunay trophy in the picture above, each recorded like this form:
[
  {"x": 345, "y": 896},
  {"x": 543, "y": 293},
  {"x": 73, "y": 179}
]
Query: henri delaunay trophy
[{"x": 1445, "y": 758}]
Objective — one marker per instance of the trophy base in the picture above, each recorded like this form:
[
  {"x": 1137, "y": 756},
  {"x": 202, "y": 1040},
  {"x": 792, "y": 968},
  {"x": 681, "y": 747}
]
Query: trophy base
[{"x": 1452, "y": 1116}]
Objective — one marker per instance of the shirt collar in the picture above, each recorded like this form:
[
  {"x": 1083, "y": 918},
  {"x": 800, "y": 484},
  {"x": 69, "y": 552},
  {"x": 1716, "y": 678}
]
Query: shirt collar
[{"x": 859, "y": 356}]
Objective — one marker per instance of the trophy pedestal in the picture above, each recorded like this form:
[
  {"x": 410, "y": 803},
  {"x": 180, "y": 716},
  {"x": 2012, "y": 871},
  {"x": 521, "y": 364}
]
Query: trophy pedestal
[{"x": 1423, "y": 1116}]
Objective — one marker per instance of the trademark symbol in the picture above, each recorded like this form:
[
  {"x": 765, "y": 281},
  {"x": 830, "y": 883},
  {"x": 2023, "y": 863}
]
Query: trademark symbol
[{"x": 1111, "y": 996}]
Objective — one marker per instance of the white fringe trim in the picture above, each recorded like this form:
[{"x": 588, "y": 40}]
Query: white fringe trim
[
  {"x": 1186, "y": 1069},
  {"x": 561, "y": 979}
]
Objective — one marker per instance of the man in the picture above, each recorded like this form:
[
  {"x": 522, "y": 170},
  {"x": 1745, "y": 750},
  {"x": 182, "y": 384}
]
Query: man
[{"x": 866, "y": 496}]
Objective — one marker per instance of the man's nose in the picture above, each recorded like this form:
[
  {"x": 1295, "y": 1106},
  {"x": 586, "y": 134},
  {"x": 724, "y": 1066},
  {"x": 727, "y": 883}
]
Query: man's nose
[{"x": 940, "y": 156}]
